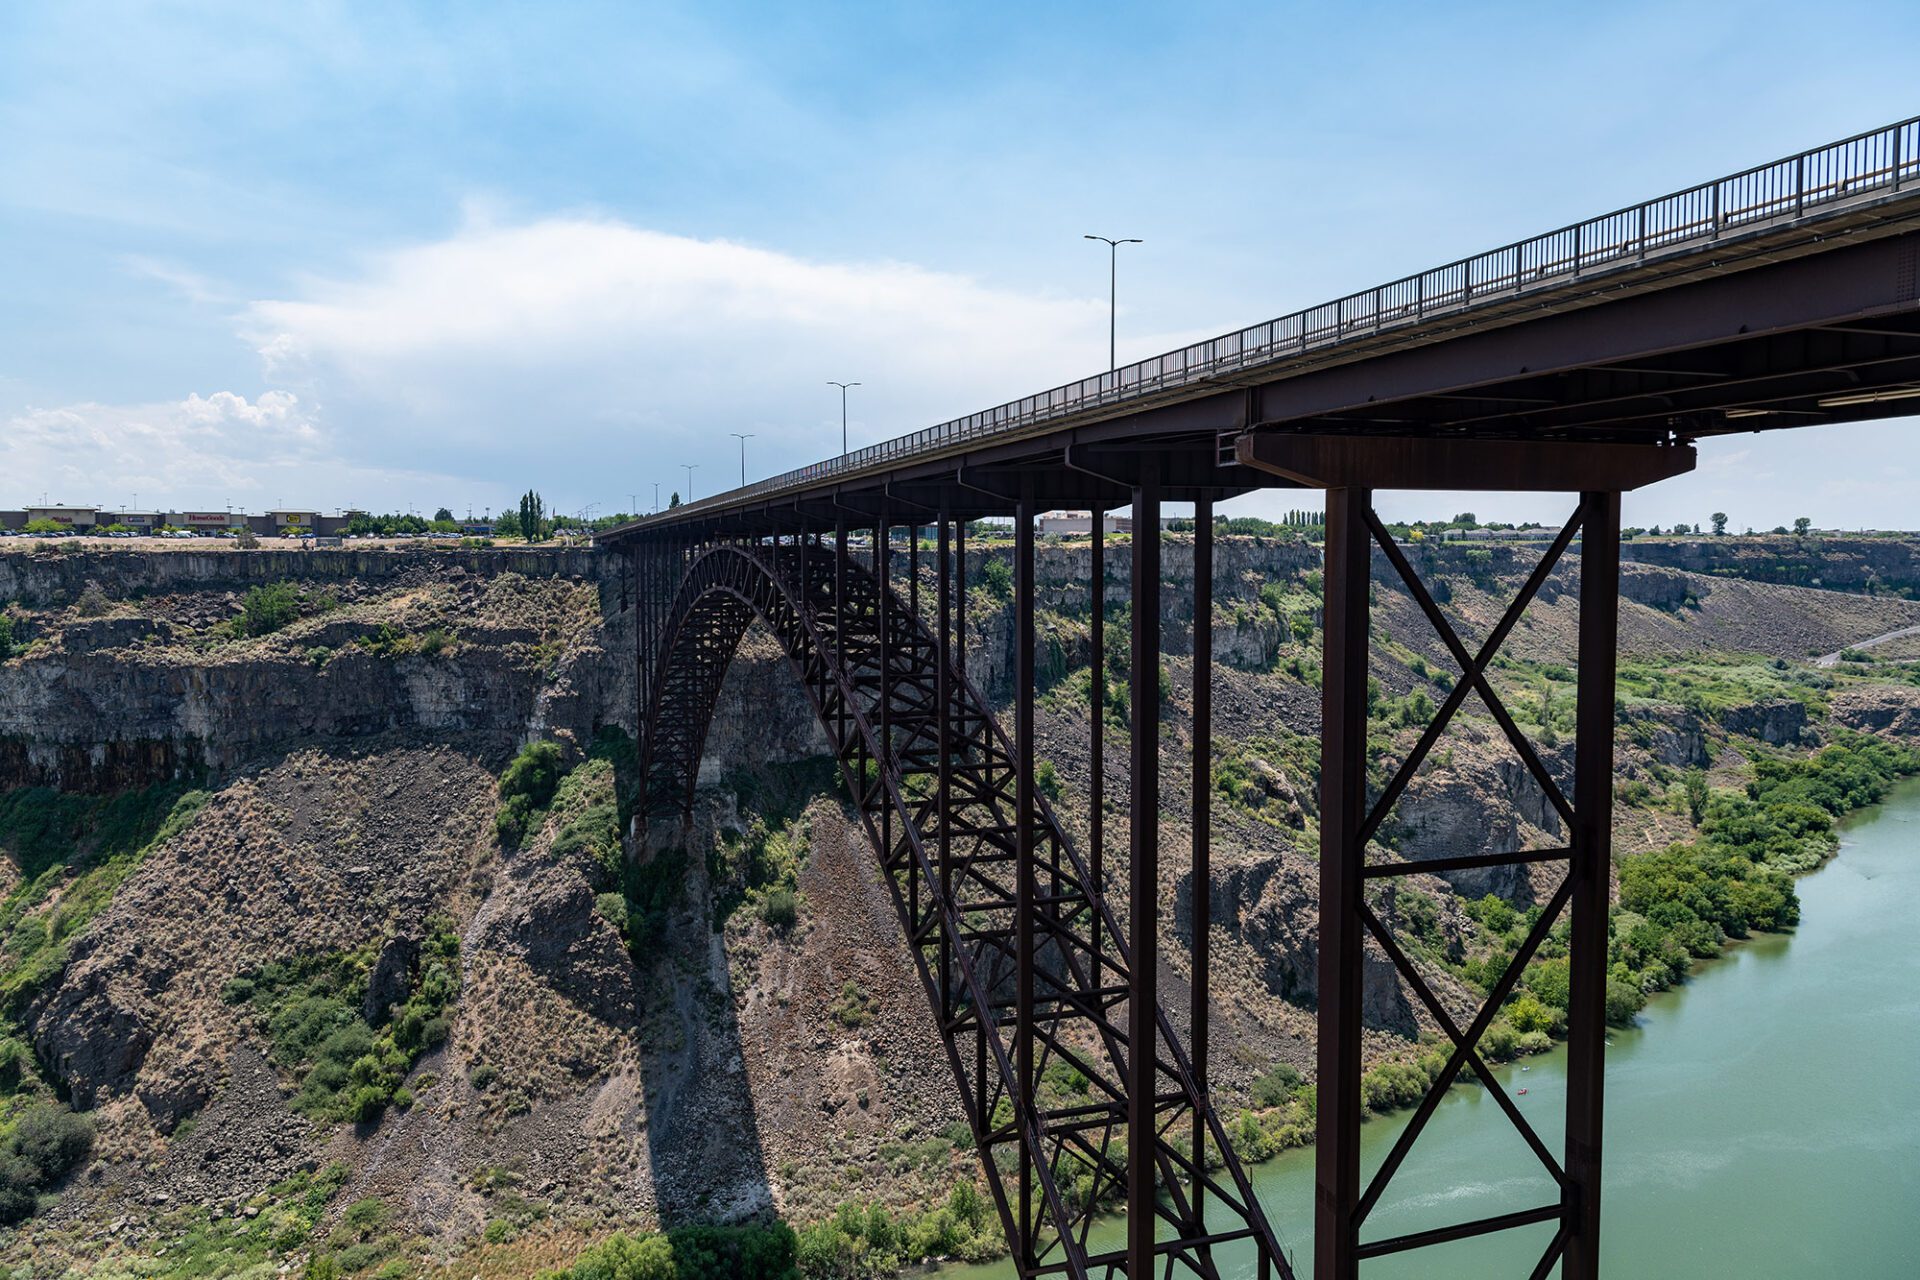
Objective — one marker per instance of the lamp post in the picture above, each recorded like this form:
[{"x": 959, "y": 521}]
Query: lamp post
[
  {"x": 656, "y": 495},
  {"x": 743, "y": 454},
  {"x": 843, "y": 412},
  {"x": 689, "y": 468},
  {"x": 1113, "y": 290}
]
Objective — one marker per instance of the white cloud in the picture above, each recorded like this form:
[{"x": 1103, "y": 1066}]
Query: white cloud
[
  {"x": 592, "y": 357},
  {"x": 203, "y": 451},
  {"x": 585, "y": 356}
]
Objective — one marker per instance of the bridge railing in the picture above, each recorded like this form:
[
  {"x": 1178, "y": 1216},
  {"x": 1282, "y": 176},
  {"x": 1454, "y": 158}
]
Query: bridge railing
[{"x": 1866, "y": 166}]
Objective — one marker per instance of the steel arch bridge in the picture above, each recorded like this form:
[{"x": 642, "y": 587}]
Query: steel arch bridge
[
  {"x": 1586, "y": 361},
  {"x": 1021, "y": 958}
]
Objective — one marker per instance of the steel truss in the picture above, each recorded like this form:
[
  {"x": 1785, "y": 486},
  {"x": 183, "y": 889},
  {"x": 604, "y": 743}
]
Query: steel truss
[
  {"x": 1349, "y": 822},
  {"x": 1025, "y": 965}
]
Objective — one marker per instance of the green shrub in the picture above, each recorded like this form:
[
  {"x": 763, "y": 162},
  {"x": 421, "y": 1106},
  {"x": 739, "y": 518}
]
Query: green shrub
[
  {"x": 366, "y": 1216},
  {"x": 854, "y": 1007},
  {"x": 1047, "y": 779},
  {"x": 1276, "y": 1087},
  {"x": 526, "y": 788},
  {"x": 73, "y": 852},
  {"x": 1528, "y": 1013},
  {"x": 1624, "y": 1000},
  {"x": 6, "y": 637},
  {"x": 612, "y": 907},
  {"x": 1533, "y": 1042},
  {"x": 511, "y": 823},
  {"x": 43, "y": 1145},
  {"x": 1500, "y": 1041},
  {"x": 997, "y": 575},
  {"x": 753, "y": 1252},
  {"x": 780, "y": 909},
  {"x": 1395, "y": 1084},
  {"x": 535, "y": 773},
  {"x": 268, "y": 608}
]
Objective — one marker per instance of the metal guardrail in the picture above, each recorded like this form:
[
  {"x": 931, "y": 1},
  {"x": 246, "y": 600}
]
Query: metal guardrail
[{"x": 1865, "y": 166}]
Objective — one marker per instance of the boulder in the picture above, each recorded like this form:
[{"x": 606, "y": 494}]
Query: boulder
[
  {"x": 1778, "y": 723},
  {"x": 391, "y": 981}
]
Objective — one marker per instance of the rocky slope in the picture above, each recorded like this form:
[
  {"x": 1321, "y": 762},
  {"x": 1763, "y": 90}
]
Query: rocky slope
[{"x": 717, "y": 1061}]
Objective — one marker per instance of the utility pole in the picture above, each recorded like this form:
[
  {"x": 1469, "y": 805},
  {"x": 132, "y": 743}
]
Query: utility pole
[
  {"x": 843, "y": 412},
  {"x": 743, "y": 454},
  {"x": 1113, "y": 291}
]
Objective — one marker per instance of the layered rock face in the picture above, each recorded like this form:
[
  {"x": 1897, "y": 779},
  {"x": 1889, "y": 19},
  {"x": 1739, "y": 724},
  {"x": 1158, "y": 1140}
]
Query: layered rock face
[{"x": 443, "y": 643}]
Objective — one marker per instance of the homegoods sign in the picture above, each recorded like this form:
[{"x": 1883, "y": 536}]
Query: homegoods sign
[{"x": 215, "y": 519}]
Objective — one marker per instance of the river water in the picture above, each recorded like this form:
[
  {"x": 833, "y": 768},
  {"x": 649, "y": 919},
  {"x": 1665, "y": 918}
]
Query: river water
[{"x": 1762, "y": 1120}]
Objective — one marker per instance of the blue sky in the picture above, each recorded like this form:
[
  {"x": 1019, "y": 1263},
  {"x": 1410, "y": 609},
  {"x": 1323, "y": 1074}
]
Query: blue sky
[{"x": 410, "y": 255}]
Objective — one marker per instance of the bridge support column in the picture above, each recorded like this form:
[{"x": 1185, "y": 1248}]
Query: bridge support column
[
  {"x": 1097, "y": 735},
  {"x": 1349, "y": 468},
  {"x": 1343, "y": 783},
  {"x": 1025, "y": 873},
  {"x": 1143, "y": 887},
  {"x": 1590, "y": 872},
  {"x": 1201, "y": 797}
]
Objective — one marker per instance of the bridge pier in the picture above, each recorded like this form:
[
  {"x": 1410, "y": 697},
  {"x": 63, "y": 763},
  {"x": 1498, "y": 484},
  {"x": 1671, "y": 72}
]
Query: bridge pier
[{"x": 1349, "y": 469}]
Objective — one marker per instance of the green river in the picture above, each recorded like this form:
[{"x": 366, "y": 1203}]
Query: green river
[{"x": 1762, "y": 1120}]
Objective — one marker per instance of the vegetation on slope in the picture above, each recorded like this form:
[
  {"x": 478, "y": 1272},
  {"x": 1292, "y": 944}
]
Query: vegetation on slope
[
  {"x": 313, "y": 1011},
  {"x": 73, "y": 852}
]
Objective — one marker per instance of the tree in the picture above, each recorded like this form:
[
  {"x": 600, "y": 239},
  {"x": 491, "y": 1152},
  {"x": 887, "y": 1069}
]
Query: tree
[
  {"x": 1697, "y": 795},
  {"x": 1719, "y": 524},
  {"x": 443, "y": 514},
  {"x": 532, "y": 514},
  {"x": 673, "y": 500},
  {"x": 1800, "y": 526}
]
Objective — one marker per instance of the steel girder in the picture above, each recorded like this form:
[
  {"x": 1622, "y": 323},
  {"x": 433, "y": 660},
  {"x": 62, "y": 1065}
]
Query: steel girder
[{"x": 1025, "y": 966}]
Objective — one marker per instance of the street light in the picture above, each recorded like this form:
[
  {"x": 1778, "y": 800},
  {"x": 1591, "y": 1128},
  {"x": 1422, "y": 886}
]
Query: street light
[
  {"x": 743, "y": 454},
  {"x": 689, "y": 468},
  {"x": 1113, "y": 294},
  {"x": 843, "y": 412}
]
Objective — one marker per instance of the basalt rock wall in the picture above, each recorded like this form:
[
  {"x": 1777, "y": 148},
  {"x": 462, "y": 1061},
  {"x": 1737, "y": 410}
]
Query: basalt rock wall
[
  {"x": 1835, "y": 563},
  {"x": 47, "y": 577},
  {"x": 487, "y": 647}
]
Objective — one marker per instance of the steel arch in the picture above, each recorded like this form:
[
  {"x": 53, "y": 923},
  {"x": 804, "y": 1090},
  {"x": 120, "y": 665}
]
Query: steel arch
[{"x": 936, "y": 786}]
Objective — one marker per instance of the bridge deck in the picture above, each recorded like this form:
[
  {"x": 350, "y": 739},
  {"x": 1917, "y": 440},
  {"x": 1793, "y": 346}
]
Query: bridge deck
[{"x": 1571, "y": 334}]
